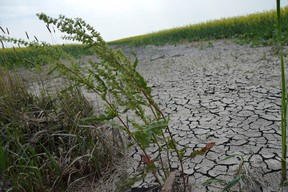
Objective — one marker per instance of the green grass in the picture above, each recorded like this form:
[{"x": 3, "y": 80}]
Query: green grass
[
  {"x": 284, "y": 97},
  {"x": 258, "y": 28},
  {"x": 28, "y": 57},
  {"x": 45, "y": 144}
]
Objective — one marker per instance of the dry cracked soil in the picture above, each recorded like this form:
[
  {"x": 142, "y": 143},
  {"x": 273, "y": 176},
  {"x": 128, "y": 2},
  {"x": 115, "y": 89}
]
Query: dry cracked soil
[
  {"x": 224, "y": 93},
  {"x": 218, "y": 92}
]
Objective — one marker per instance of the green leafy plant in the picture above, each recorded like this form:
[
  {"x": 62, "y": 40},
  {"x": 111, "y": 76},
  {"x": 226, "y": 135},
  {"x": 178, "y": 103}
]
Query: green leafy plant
[{"x": 123, "y": 90}]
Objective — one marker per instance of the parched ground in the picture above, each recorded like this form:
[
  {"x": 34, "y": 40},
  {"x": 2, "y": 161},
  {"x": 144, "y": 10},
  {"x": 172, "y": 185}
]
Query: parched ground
[
  {"x": 224, "y": 93},
  {"x": 219, "y": 92}
]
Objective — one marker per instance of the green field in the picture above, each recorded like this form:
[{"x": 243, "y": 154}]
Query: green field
[{"x": 258, "y": 29}]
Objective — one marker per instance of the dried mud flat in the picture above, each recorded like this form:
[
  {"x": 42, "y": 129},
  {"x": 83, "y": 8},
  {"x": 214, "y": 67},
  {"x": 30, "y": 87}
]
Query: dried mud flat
[
  {"x": 224, "y": 93},
  {"x": 218, "y": 92}
]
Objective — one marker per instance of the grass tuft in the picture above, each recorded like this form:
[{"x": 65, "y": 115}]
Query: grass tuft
[{"x": 44, "y": 144}]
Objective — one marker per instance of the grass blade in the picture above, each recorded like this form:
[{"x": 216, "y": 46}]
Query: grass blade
[
  {"x": 284, "y": 100},
  {"x": 232, "y": 183}
]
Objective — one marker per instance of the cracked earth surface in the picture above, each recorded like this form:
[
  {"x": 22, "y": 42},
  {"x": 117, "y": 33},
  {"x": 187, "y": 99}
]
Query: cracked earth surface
[{"x": 223, "y": 93}]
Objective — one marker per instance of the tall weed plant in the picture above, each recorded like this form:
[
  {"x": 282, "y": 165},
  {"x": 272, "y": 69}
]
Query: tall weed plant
[
  {"x": 127, "y": 98},
  {"x": 125, "y": 93}
]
